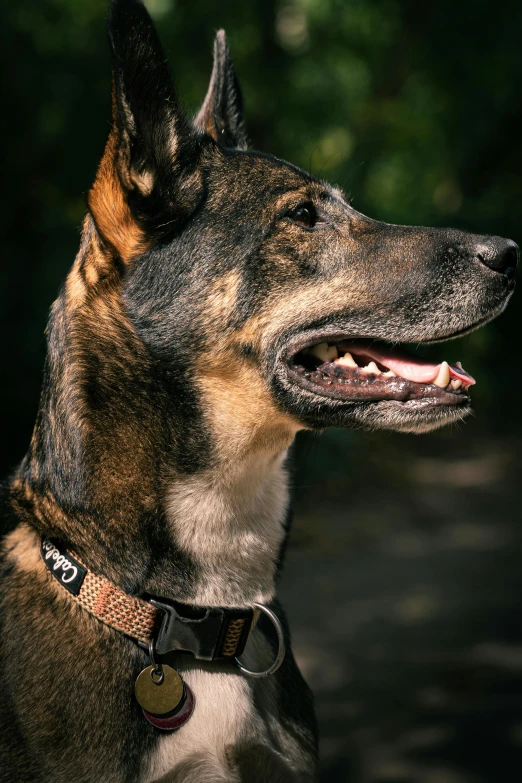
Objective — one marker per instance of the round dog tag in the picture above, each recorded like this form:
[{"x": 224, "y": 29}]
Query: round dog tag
[
  {"x": 181, "y": 715},
  {"x": 159, "y": 691}
]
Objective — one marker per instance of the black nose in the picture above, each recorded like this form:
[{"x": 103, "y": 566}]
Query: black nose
[{"x": 499, "y": 254}]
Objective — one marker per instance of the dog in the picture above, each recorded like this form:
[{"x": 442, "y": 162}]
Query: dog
[{"x": 221, "y": 301}]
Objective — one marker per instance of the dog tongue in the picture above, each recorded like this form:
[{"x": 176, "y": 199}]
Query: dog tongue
[{"x": 405, "y": 364}]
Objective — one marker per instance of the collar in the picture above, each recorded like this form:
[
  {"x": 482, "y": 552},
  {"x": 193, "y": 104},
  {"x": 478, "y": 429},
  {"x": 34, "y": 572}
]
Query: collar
[{"x": 208, "y": 633}]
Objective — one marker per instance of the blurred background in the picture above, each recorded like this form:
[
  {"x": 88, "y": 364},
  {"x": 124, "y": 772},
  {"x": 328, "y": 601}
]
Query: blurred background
[{"x": 404, "y": 570}]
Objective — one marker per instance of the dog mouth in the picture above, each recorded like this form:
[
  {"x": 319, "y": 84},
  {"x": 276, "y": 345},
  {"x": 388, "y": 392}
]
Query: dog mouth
[{"x": 363, "y": 370}]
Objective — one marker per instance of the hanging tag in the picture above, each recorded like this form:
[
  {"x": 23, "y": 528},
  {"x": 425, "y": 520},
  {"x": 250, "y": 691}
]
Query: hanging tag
[
  {"x": 180, "y": 716},
  {"x": 159, "y": 690},
  {"x": 167, "y": 702}
]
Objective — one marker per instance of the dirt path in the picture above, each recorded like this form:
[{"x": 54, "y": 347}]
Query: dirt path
[{"x": 409, "y": 630}]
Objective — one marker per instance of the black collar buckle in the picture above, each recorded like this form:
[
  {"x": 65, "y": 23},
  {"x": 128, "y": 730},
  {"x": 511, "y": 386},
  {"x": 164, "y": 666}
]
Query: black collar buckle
[{"x": 208, "y": 633}]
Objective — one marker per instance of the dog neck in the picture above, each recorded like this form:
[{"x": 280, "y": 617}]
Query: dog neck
[
  {"x": 216, "y": 539},
  {"x": 232, "y": 523},
  {"x": 122, "y": 475}
]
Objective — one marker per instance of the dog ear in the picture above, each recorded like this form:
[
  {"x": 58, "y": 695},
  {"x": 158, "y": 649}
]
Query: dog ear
[
  {"x": 148, "y": 174},
  {"x": 221, "y": 115}
]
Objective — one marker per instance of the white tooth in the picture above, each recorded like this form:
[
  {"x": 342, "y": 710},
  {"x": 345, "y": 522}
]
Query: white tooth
[
  {"x": 332, "y": 353},
  {"x": 324, "y": 352},
  {"x": 443, "y": 378},
  {"x": 389, "y": 374},
  {"x": 372, "y": 367},
  {"x": 347, "y": 360},
  {"x": 456, "y": 383}
]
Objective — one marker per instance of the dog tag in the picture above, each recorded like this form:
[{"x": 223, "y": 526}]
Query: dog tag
[
  {"x": 159, "y": 691},
  {"x": 181, "y": 715}
]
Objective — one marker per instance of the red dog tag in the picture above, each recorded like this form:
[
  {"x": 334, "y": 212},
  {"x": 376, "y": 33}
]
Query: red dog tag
[{"x": 178, "y": 717}]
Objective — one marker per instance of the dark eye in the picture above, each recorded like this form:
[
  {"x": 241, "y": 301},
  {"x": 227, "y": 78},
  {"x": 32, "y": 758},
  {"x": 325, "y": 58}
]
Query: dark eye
[{"x": 304, "y": 214}]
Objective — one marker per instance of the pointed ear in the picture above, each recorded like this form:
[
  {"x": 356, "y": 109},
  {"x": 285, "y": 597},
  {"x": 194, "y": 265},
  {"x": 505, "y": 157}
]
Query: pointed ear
[
  {"x": 148, "y": 174},
  {"x": 221, "y": 115}
]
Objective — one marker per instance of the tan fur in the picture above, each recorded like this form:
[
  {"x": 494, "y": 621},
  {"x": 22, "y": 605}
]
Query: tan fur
[
  {"x": 239, "y": 406},
  {"x": 221, "y": 300},
  {"x": 205, "y": 118},
  {"x": 317, "y": 299},
  {"x": 21, "y": 547},
  {"x": 93, "y": 263},
  {"x": 110, "y": 209},
  {"x": 229, "y": 386},
  {"x": 75, "y": 288}
]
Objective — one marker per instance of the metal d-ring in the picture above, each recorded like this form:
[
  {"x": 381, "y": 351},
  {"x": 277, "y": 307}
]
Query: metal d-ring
[
  {"x": 281, "y": 650},
  {"x": 157, "y": 668}
]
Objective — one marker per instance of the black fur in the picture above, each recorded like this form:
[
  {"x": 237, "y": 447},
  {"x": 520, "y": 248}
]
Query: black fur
[{"x": 221, "y": 115}]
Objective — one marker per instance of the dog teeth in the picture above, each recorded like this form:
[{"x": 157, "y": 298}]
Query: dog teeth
[
  {"x": 456, "y": 383},
  {"x": 347, "y": 361},
  {"x": 372, "y": 367},
  {"x": 443, "y": 378},
  {"x": 389, "y": 374},
  {"x": 324, "y": 352}
]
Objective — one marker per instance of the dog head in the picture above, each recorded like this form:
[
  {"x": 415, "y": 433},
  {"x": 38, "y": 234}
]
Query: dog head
[{"x": 258, "y": 291}]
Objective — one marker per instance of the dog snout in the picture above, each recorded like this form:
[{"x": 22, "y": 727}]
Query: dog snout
[{"x": 499, "y": 254}]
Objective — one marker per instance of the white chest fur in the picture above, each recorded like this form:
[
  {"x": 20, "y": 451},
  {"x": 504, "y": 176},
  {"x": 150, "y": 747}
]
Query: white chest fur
[
  {"x": 224, "y": 714},
  {"x": 231, "y": 524},
  {"x": 232, "y": 715}
]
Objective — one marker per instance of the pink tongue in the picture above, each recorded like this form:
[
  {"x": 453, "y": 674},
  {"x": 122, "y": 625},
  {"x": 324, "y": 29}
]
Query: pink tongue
[{"x": 402, "y": 363}]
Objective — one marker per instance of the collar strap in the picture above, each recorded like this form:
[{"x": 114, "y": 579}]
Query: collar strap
[{"x": 208, "y": 633}]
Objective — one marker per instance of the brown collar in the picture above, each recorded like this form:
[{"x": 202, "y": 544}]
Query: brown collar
[{"x": 208, "y": 633}]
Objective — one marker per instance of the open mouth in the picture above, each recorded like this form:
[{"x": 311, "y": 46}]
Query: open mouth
[{"x": 371, "y": 370}]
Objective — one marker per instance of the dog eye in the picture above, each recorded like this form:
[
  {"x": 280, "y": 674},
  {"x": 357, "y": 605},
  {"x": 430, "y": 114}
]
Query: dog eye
[{"x": 304, "y": 214}]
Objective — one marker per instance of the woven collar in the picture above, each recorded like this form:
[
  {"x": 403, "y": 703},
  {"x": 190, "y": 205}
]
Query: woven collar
[{"x": 208, "y": 633}]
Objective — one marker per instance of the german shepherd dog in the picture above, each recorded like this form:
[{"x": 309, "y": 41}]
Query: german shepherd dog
[{"x": 221, "y": 300}]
